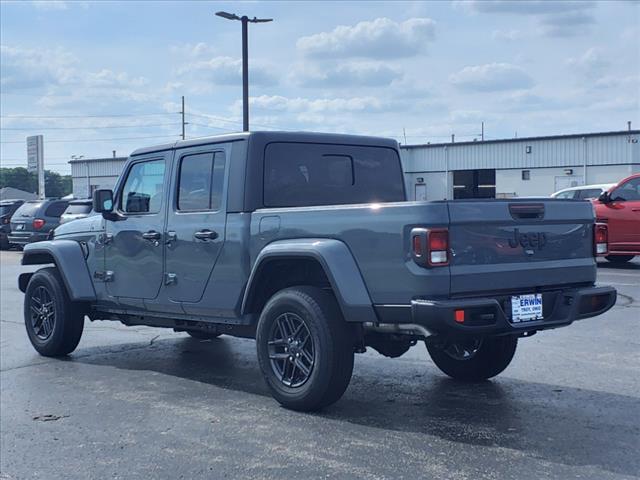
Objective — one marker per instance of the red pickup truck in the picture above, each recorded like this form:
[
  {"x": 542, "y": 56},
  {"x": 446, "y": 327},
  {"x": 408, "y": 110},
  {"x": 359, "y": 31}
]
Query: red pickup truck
[{"x": 619, "y": 208}]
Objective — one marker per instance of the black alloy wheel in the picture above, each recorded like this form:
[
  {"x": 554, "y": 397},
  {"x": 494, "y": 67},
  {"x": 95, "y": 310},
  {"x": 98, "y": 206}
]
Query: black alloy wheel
[
  {"x": 291, "y": 350},
  {"x": 43, "y": 312}
]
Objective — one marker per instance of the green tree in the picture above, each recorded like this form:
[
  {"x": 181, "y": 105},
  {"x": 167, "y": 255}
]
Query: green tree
[{"x": 55, "y": 185}]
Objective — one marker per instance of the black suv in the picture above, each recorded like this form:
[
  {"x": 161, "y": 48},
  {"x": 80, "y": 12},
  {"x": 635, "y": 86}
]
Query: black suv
[
  {"x": 33, "y": 221},
  {"x": 7, "y": 208}
]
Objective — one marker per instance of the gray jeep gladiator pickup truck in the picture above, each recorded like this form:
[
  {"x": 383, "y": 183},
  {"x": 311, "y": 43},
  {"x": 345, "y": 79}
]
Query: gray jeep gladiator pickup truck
[{"x": 306, "y": 243}]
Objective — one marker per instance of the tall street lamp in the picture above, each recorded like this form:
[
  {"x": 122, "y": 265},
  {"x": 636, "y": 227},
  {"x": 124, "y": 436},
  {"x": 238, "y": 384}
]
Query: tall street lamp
[{"x": 245, "y": 61}]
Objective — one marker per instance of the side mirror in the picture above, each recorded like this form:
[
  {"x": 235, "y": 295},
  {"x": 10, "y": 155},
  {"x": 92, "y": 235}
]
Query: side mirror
[
  {"x": 604, "y": 197},
  {"x": 103, "y": 201}
]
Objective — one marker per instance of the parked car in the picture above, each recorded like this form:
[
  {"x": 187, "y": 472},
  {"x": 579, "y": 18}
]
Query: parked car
[
  {"x": 619, "y": 208},
  {"x": 306, "y": 243},
  {"x": 35, "y": 219},
  {"x": 583, "y": 192},
  {"x": 76, "y": 209},
  {"x": 7, "y": 208}
]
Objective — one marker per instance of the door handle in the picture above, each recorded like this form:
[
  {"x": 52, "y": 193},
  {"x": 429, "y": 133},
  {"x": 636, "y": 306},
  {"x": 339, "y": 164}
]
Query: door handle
[
  {"x": 152, "y": 235},
  {"x": 171, "y": 237},
  {"x": 205, "y": 235}
]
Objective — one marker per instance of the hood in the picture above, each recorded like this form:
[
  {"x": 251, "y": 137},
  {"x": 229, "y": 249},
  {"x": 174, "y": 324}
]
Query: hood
[{"x": 94, "y": 223}]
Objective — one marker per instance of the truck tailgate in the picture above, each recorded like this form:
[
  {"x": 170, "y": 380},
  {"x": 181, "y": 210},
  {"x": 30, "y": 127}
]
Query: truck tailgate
[{"x": 516, "y": 245}]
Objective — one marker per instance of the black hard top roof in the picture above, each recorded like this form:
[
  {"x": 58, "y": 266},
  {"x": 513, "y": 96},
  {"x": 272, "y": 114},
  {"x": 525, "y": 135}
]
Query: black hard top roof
[{"x": 275, "y": 136}]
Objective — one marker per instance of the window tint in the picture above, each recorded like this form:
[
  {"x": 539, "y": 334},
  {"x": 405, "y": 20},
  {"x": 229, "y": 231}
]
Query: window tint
[
  {"x": 302, "y": 174},
  {"x": 628, "y": 191},
  {"x": 75, "y": 208},
  {"x": 28, "y": 209},
  {"x": 589, "y": 193},
  {"x": 201, "y": 181},
  {"x": 565, "y": 195},
  {"x": 55, "y": 209},
  {"x": 142, "y": 192}
]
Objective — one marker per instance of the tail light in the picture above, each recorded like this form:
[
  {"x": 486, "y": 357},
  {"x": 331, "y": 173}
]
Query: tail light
[
  {"x": 430, "y": 246},
  {"x": 600, "y": 239},
  {"x": 38, "y": 223}
]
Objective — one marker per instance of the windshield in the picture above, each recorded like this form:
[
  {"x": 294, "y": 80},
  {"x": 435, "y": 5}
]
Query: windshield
[{"x": 27, "y": 209}]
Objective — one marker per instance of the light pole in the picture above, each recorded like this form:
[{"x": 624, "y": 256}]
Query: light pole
[{"x": 245, "y": 60}]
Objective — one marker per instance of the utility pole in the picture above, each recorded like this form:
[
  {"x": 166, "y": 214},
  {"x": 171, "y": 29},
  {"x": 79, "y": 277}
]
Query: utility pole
[
  {"x": 482, "y": 133},
  {"x": 404, "y": 132},
  {"x": 245, "y": 60},
  {"x": 182, "y": 112}
]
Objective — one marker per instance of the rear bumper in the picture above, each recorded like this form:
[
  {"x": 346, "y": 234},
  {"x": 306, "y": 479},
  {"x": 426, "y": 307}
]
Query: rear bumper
[
  {"x": 22, "y": 238},
  {"x": 492, "y": 316}
]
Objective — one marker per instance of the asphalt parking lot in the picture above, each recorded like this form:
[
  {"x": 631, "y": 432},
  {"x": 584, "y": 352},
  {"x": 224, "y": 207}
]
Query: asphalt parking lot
[{"x": 151, "y": 403}]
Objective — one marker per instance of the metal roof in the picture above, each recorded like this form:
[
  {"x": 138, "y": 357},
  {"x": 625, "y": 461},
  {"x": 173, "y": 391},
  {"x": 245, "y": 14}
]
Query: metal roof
[
  {"x": 524, "y": 139},
  {"x": 100, "y": 159}
]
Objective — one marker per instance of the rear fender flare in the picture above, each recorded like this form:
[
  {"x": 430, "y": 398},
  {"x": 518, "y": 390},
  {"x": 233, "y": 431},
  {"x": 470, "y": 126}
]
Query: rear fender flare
[
  {"x": 338, "y": 264},
  {"x": 68, "y": 257}
]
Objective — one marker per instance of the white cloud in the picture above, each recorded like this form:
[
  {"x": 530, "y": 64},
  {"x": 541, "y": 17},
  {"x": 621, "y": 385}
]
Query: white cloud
[
  {"x": 506, "y": 35},
  {"x": 193, "y": 49},
  {"x": 50, "y": 4},
  {"x": 108, "y": 78},
  {"x": 592, "y": 63},
  {"x": 321, "y": 105},
  {"x": 559, "y": 18},
  {"x": 359, "y": 74},
  {"x": 24, "y": 68},
  {"x": 226, "y": 71},
  {"x": 491, "y": 77},
  {"x": 379, "y": 38},
  {"x": 525, "y": 7}
]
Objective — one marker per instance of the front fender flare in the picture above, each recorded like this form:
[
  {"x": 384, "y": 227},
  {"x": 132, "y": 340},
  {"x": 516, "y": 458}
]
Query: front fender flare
[
  {"x": 339, "y": 266},
  {"x": 68, "y": 257}
]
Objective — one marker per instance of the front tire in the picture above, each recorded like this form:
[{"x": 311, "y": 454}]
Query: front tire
[
  {"x": 54, "y": 323},
  {"x": 305, "y": 348},
  {"x": 619, "y": 258},
  {"x": 474, "y": 359}
]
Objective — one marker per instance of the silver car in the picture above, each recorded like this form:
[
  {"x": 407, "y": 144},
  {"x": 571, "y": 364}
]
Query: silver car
[{"x": 77, "y": 209}]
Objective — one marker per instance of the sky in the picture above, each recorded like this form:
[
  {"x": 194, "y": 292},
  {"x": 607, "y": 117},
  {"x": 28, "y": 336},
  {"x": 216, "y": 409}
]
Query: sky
[{"x": 94, "y": 77}]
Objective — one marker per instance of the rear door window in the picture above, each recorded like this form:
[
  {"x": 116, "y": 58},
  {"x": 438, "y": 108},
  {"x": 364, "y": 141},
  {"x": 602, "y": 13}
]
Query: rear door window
[
  {"x": 201, "y": 181},
  {"x": 55, "y": 209},
  {"x": 589, "y": 193},
  {"x": 304, "y": 174}
]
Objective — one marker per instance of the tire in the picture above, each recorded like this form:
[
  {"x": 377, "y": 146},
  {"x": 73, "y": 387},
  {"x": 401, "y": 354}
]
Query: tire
[
  {"x": 619, "y": 258},
  {"x": 492, "y": 356},
  {"x": 61, "y": 334},
  {"x": 322, "y": 335},
  {"x": 203, "y": 335}
]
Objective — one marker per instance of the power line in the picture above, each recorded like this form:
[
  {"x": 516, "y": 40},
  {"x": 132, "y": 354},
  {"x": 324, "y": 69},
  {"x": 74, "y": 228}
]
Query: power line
[
  {"x": 235, "y": 122},
  {"x": 210, "y": 126},
  {"x": 92, "y": 128},
  {"x": 98, "y": 139},
  {"x": 91, "y": 116}
]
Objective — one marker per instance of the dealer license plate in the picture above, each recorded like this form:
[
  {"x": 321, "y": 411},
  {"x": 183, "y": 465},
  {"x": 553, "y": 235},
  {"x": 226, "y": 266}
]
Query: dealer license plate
[{"x": 525, "y": 308}]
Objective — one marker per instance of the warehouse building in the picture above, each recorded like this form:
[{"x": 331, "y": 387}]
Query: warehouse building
[
  {"x": 519, "y": 167},
  {"x": 90, "y": 174}
]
